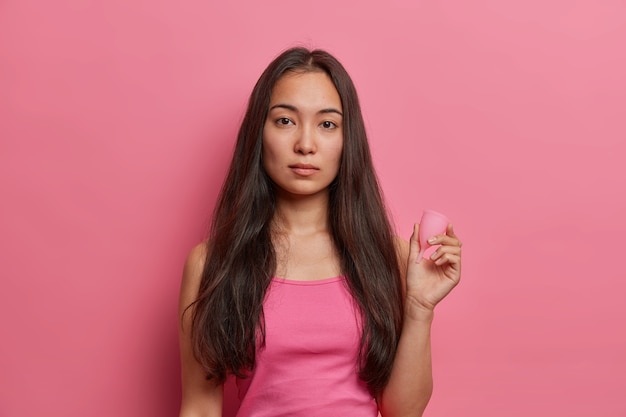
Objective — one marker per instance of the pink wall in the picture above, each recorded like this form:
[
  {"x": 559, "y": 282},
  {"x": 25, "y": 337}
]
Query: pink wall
[{"x": 116, "y": 123}]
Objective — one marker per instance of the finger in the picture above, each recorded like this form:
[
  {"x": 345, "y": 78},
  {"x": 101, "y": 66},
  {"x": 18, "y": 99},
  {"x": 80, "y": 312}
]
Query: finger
[
  {"x": 442, "y": 250},
  {"x": 445, "y": 257},
  {"x": 414, "y": 244},
  {"x": 448, "y": 239},
  {"x": 449, "y": 259},
  {"x": 444, "y": 240},
  {"x": 450, "y": 233}
]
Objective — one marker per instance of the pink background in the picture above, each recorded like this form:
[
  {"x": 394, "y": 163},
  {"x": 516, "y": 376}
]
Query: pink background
[{"x": 117, "y": 120}]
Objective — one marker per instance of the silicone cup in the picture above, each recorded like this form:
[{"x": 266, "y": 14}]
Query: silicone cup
[{"x": 432, "y": 223}]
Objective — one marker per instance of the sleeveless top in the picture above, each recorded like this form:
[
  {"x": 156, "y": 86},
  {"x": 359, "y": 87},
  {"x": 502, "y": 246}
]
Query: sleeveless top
[{"x": 308, "y": 366}]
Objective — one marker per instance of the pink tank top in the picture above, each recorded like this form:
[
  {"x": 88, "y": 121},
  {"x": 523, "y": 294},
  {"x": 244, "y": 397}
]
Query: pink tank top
[{"x": 309, "y": 364}]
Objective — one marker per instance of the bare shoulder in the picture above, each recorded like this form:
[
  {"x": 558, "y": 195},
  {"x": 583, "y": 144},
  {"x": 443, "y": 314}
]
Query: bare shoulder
[
  {"x": 195, "y": 259},
  {"x": 402, "y": 249},
  {"x": 402, "y": 246},
  {"x": 192, "y": 274},
  {"x": 200, "y": 397}
]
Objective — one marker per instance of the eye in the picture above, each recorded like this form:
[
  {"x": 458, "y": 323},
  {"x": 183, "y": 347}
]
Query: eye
[
  {"x": 284, "y": 121},
  {"x": 328, "y": 125}
]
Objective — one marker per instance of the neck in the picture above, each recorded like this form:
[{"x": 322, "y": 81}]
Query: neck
[{"x": 301, "y": 215}]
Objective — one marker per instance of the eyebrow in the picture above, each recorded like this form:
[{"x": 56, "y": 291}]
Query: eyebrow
[{"x": 295, "y": 109}]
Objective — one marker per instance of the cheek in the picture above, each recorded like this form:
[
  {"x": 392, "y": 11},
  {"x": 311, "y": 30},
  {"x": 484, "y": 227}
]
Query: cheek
[
  {"x": 338, "y": 152},
  {"x": 266, "y": 147},
  {"x": 270, "y": 154},
  {"x": 266, "y": 159}
]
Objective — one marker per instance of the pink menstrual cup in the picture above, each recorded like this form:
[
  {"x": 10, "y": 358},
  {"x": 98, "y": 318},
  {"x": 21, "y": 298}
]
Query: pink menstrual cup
[{"x": 431, "y": 224}]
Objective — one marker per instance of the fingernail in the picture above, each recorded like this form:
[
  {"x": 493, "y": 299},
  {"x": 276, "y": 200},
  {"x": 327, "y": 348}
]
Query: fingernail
[{"x": 432, "y": 240}]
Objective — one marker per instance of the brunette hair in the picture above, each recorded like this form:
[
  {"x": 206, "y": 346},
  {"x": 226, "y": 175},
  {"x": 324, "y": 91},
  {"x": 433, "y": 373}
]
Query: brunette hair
[{"x": 228, "y": 318}]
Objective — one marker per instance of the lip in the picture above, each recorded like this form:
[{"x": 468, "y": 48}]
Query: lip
[{"x": 304, "y": 170}]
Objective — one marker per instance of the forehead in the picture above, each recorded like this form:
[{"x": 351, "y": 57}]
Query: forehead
[{"x": 306, "y": 89}]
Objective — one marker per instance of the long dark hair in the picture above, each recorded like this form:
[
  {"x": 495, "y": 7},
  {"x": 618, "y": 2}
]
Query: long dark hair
[{"x": 228, "y": 319}]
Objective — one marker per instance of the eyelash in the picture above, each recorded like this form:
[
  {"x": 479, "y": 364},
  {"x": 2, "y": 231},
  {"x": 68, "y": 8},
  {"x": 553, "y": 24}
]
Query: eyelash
[{"x": 282, "y": 120}]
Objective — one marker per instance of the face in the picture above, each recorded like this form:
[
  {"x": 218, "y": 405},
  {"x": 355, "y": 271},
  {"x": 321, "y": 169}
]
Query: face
[{"x": 303, "y": 134}]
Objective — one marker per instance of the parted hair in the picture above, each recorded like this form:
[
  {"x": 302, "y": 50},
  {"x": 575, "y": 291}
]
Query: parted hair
[{"x": 227, "y": 324}]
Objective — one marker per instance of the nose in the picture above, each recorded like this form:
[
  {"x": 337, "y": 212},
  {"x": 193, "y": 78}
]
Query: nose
[{"x": 306, "y": 141}]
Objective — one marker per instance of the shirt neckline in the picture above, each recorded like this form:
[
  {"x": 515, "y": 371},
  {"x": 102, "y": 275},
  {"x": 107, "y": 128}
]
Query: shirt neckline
[{"x": 311, "y": 282}]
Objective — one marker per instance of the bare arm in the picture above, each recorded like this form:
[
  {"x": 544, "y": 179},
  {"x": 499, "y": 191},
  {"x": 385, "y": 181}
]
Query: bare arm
[
  {"x": 200, "y": 398},
  {"x": 411, "y": 383}
]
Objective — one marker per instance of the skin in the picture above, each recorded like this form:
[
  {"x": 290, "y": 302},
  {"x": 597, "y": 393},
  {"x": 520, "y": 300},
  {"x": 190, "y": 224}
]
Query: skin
[
  {"x": 200, "y": 398},
  {"x": 302, "y": 146},
  {"x": 303, "y": 128},
  {"x": 425, "y": 285}
]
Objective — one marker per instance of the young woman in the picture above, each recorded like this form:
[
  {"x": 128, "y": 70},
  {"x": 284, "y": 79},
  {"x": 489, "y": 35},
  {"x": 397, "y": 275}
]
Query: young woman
[{"x": 302, "y": 291}]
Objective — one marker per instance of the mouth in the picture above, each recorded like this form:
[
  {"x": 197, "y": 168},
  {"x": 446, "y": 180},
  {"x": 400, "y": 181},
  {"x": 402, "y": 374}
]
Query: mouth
[{"x": 304, "y": 170}]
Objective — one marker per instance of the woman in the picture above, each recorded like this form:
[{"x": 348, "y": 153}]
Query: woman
[{"x": 302, "y": 291}]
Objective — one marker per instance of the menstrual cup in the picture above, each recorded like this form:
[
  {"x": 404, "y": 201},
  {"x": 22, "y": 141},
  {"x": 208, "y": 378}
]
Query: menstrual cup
[{"x": 431, "y": 224}]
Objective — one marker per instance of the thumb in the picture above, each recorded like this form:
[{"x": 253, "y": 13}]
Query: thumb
[{"x": 415, "y": 254}]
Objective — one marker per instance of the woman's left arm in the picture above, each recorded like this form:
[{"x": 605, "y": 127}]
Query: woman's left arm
[{"x": 425, "y": 284}]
